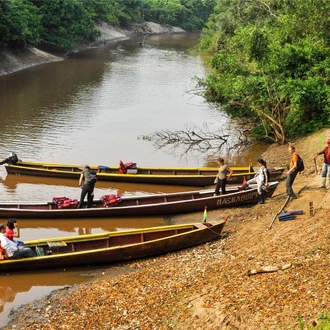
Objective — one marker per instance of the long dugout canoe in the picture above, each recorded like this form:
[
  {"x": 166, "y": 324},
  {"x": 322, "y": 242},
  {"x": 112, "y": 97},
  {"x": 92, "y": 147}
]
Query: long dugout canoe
[
  {"x": 137, "y": 206},
  {"x": 198, "y": 177},
  {"x": 111, "y": 247}
]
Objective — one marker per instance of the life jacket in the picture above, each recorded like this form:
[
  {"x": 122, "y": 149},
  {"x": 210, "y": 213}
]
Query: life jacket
[
  {"x": 123, "y": 167},
  {"x": 65, "y": 203},
  {"x": 110, "y": 199}
]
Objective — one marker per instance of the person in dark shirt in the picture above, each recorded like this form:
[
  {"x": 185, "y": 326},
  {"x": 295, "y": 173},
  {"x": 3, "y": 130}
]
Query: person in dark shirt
[{"x": 87, "y": 186}]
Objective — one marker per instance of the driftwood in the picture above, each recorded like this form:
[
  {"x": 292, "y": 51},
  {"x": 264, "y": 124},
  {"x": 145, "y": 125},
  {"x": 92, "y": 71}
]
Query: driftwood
[{"x": 268, "y": 269}]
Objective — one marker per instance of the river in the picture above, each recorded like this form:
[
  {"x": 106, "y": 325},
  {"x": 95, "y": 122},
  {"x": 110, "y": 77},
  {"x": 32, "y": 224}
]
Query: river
[{"x": 93, "y": 108}]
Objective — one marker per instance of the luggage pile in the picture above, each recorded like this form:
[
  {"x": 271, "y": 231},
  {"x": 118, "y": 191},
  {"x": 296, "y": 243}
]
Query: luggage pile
[
  {"x": 284, "y": 216},
  {"x": 127, "y": 168},
  {"x": 110, "y": 199}
]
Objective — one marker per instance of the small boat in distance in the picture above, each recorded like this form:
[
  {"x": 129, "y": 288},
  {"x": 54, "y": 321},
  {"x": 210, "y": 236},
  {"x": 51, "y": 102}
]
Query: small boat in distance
[
  {"x": 111, "y": 247},
  {"x": 137, "y": 206},
  {"x": 190, "y": 176}
]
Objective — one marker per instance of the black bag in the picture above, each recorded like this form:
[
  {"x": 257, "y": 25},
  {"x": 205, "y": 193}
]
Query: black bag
[
  {"x": 300, "y": 164},
  {"x": 92, "y": 177}
]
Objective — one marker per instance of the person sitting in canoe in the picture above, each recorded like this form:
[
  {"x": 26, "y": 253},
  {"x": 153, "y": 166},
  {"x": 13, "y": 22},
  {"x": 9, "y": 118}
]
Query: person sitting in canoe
[
  {"x": 13, "y": 251},
  {"x": 86, "y": 183},
  {"x": 221, "y": 178},
  {"x": 12, "y": 232},
  {"x": 261, "y": 179},
  {"x": 12, "y": 159}
]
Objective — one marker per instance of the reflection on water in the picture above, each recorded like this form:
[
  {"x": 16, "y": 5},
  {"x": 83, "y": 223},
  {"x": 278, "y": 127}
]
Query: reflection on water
[
  {"x": 23, "y": 187},
  {"x": 23, "y": 288},
  {"x": 91, "y": 108}
]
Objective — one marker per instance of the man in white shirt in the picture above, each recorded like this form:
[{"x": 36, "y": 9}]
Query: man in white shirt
[{"x": 13, "y": 251}]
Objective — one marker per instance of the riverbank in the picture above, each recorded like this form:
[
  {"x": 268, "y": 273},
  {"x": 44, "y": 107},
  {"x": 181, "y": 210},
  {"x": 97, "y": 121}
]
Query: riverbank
[
  {"x": 20, "y": 59},
  {"x": 211, "y": 286}
]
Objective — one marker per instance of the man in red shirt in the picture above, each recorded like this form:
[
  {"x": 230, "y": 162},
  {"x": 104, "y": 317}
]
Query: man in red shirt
[{"x": 326, "y": 165}]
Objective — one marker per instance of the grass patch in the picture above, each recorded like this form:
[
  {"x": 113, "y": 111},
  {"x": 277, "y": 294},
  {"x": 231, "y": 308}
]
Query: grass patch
[{"x": 323, "y": 323}]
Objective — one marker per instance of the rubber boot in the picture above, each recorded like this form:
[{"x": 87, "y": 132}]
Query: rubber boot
[
  {"x": 262, "y": 199},
  {"x": 323, "y": 183},
  {"x": 244, "y": 187}
]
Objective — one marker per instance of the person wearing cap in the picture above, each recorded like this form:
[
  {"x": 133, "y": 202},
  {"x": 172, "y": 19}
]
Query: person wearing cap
[
  {"x": 87, "y": 187},
  {"x": 12, "y": 159},
  {"x": 326, "y": 164},
  {"x": 13, "y": 250}
]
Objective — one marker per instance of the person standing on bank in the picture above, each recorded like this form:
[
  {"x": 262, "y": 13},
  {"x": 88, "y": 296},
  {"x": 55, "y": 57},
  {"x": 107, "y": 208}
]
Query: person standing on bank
[
  {"x": 292, "y": 172},
  {"x": 12, "y": 249},
  {"x": 221, "y": 178},
  {"x": 326, "y": 165},
  {"x": 86, "y": 183}
]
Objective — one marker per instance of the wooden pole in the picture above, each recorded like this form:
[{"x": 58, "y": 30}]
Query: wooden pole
[{"x": 311, "y": 209}]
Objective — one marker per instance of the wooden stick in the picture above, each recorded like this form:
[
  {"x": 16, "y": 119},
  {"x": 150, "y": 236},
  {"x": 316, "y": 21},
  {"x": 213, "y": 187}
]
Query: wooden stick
[
  {"x": 315, "y": 165},
  {"x": 280, "y": 210},
  {"x": 286, "y": 202}
]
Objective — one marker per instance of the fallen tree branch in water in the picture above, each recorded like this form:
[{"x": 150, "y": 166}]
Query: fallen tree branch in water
[{"x": 201, "y": 140}]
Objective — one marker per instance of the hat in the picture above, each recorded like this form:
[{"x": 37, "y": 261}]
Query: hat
[
  {"x": 87, "y": 166},
  {"x": 328, "y": 141}
]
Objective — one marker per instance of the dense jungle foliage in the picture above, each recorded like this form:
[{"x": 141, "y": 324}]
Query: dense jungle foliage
[
  {"x": 269, "y": 58},
  {"x": 64, "y": 22},
  {"x": 271, "y": 64}
]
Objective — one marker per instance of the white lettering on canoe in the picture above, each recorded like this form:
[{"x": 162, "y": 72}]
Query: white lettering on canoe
[{"x": 243, "y": 197}]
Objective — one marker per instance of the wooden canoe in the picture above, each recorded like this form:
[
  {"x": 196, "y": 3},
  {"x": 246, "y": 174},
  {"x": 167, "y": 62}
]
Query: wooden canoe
[
  {"x": 135, "y": 206},
  {"x": 190, "y": 176},
  {"x": 111, "y": 247}
]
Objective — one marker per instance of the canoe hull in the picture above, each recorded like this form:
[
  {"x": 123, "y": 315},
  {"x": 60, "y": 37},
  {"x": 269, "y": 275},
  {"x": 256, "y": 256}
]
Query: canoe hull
[
  {"x": 151, "y": 205},
  {"x": 198, "y": 177},
  {"x": 117, "y": 246}
]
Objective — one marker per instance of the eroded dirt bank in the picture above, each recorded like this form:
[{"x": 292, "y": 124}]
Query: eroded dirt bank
[{"x": 15, "y": 60}]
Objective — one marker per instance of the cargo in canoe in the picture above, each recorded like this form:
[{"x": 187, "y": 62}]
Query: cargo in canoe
[{"x": 137, "y": 206}]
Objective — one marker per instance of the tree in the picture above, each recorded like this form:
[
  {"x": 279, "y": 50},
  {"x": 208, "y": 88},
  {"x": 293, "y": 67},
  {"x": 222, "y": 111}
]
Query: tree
[
  {"x": 269, "y": 61},
  {"x": 64, "y": 22},
  {"x": 19, "y": 23}
]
